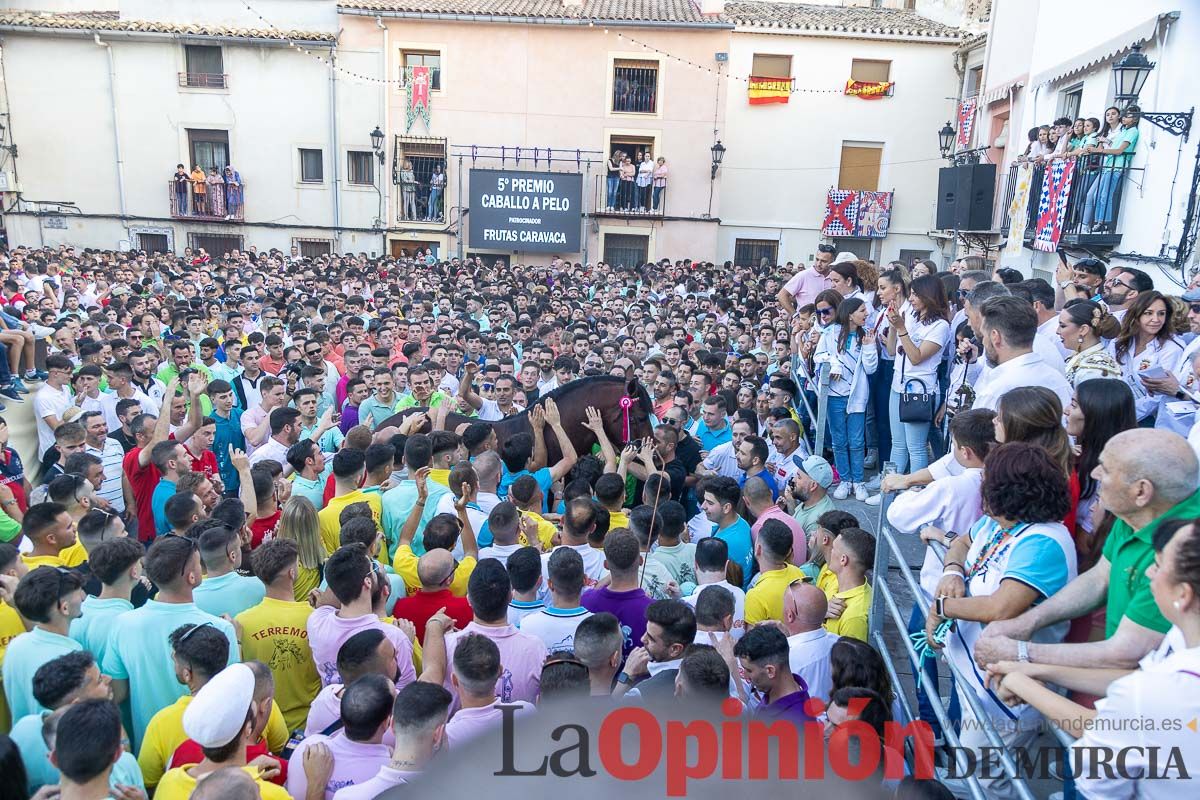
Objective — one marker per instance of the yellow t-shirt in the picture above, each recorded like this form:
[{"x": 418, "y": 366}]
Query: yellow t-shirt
[
  {"x": 618, "y": 519},
  {"x": 71, "y": 556},
  {"x": 328, "y": 516},
  {"x": 405, "y": 564},
  {"x": 827, "y": 581},
  {"x": 853, "y": 621},
  {"x": 177, "y": 784},
  {"x": 441, "y": 476},
  {"x": 546, "y": 530},
  {"x": 765, "y": 600},
  {"x": 165, "y": 733},
  {"x": 306, "y": 580},
  {"x": 275, "y": 633},
  {"x": 10, "y": 628}
]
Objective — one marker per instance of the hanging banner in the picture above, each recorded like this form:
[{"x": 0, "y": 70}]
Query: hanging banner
[
  {"x": 769, "y": 90},
  {"x": 874, "y": 214},
  {"x": 868, "y": 90},
  {"x": 841, "y": 213},
  {"x": 966, "y": 121},
  {"x": 1018, "y": 211},
  {"x": 525, "y": 211},
  {"x": 1052, "y": 208},
  {"x": 418, "y": 96}
]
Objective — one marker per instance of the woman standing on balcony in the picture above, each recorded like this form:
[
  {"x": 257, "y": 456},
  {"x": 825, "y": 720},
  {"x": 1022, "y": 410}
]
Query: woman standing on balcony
[
  {"x": 645, "y": 179},
  {"x": 216, "y": 193},
  {"x": 182, "y": 185},
  {"x": 613, "y": 180},
  {"x": 199, "y": 192},
  {"x": 1100, "y": 206},
  {"x": 437, "y": 185},
  {"x": 408, "y": 191},
  {"x": 660, "y": 180},
  {"x": 1147, "y": 341},
  {"x": 625, "y": 192},
  {"x": 233, "y": 192}
]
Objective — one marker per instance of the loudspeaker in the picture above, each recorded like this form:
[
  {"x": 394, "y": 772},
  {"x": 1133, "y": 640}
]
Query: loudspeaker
[{"x": 966, "y": 194}]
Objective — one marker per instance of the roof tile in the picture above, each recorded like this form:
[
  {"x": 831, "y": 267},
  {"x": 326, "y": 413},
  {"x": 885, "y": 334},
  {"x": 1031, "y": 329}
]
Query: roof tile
[{"x": 109, "y": 21}]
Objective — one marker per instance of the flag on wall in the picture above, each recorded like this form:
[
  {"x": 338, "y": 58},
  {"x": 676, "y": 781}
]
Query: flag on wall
[
  {"x": 868, "y": 90},
  {"x": 1018, "y": 214},
  {"x": 852, "y": 213},
  {"x": 418, "y": 96},
  {"x": 966, "y": 121},
  {"x": 1052, "y": 207},
  {"x": 769, "y": 90},
  {"x": 874, "y": 214}
]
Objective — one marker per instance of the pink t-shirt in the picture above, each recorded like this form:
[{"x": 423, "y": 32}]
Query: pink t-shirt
[
  {"x": 327, "y": 632},
  {"x": 799, "y": 539},
  {"x": 521, "y": 658},
  {"x": 353, "y": 763},
  {"x": 326, "y": 709},
  {"x": 806, "y": 285},
  {"x": 467, "y": 723},
  {"x": 387, "y": 778}
]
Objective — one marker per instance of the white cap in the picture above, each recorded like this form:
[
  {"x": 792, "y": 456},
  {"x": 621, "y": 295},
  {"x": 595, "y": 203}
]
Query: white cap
[
  {"x": 218, "y": 711},
  {"x": 845, "y": 256}
]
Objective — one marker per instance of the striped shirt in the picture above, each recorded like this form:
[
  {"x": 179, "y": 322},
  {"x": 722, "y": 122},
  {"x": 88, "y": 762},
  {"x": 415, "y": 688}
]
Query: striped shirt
[{"x": 111, "y": 456}]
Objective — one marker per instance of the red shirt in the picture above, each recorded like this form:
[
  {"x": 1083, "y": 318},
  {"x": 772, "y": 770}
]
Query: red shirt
[
  {"x": 142, "y": 480},
  {"x": 206, "y": 462},
  {"x": 12, "y": 475},
  {"x": 419, "y": 607},
  {"x": 264, "y": 528},
  {"x": 190, "y": 753}
]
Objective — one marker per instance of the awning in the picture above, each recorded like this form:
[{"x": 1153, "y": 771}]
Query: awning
[
  {"x": 1001, "y": 91},
  {"x": 1105, "y": 51}
]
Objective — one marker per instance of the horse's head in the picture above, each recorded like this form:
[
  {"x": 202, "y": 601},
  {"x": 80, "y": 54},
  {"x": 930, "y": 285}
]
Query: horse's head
[{"x": 641, "y": 408}]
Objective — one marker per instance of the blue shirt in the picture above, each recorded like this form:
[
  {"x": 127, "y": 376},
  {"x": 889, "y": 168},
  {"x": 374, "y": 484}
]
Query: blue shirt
[
  {"x": 741, "y": 547},
  {"x": 314, "y": 490},
  {"x": 767, "y": 478},
  {"x": 139, "y": 652},
  {"x": 163, "y": 492},
  {"x": 25, "y": 654},
  {"x": 397, "y": 503},
  {"x": 39, "y": 772},
  {"x": 542, "y": 476},
  {"x": 229, "y": 432},
  {"x": 228, "y": 594},
  {"x": 95, "y": 626},
  {"x": 709, "y": 439}
]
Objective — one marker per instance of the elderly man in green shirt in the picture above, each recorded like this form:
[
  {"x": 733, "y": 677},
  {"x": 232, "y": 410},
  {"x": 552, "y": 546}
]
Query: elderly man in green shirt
[{"x": 1146, "y": 477}]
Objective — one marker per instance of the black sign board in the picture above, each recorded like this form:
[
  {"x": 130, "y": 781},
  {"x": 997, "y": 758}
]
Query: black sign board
[{"x": 526, "y": 211}]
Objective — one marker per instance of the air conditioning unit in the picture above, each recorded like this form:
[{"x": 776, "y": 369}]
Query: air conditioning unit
[{"x": 8, "y": 183}]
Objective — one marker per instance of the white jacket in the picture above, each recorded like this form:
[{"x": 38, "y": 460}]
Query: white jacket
[{"x": 854, "y": 365}]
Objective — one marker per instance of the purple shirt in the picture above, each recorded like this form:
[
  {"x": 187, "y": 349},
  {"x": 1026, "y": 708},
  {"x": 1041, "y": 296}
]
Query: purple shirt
[
  {"x": 799, "y": 538},
  {"x": 353, "y": 763},
  {"x": 521, "y": 658},
  {"x": 789, "y": 707},
  {"x": 327, "y": 632},
  {"x": 387, "y": 778},
  {"x": 628, "y": 606},
  {"x": 467, "y": 723},
  {"x": 349, "y": 418}
]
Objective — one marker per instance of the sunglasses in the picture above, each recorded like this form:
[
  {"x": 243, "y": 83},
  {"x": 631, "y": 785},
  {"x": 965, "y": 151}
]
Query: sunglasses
[
  {"x": 193, "y": 629},
  {"x": 824, "y": 312}
]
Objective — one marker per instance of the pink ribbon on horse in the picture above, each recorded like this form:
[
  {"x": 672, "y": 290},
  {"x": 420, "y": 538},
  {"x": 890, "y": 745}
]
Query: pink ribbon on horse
[{"x": 626, "y": 403}]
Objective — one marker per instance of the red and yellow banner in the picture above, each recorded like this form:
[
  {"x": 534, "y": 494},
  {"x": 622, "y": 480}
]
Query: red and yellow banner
[
  {"x": 868, "y": 90},
  {"x": 769, "y": 90}
]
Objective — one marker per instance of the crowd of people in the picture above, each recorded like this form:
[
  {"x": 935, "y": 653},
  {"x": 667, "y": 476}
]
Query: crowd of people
[{"x": 299, "y": 528}]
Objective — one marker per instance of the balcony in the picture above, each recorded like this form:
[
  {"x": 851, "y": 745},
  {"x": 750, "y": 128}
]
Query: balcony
[
  {"x": 218, "y": 203},
  {"x": 635, "y": 88},
  {"x": 204, "y": 80},
  {"x": 1093, "y": 216},
  {"x": 626, "y": 200}
]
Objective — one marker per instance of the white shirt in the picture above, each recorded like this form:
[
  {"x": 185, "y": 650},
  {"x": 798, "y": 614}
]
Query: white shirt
[
  {"x": 446, "y": 506},
  {"x": 937, "y": 331},
  {"x": 723, "y": 460},
  {"x": 108, "y": 404},
  {"x": 555, "y": 626},
  {"x": 272, "y": 450},
  {"x": 1156, "y": 354},
  {"x": 490, "y": 411},
  {"x": 952, "y": 503},
  {"x": 593, "y": 565},
  {"x": 1048, "y": 332},
  {"x": 739, "y": 605},
  {"x": 47, "y": 402},
  {"x": 1165, "y": 688},
  {"x": 500, "y": 552},
  {"x": 1025, "y": 370},
  {"x": 111, "y": 456},
  {"x": 784, "y": 468},
  {"x": 808, "y": 657}
]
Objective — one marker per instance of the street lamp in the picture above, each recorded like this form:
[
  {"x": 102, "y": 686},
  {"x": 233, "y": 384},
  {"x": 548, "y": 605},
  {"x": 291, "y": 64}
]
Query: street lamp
[
  {"x": 946, "y": 140},
  {"x": 718, "y": 153},
  {"x": 1130, "y": 74},
  {"x": 377, "y": 146}
]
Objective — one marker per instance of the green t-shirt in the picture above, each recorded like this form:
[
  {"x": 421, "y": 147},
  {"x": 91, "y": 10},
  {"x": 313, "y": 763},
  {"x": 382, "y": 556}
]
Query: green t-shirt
[{"x": 1130, "y": 553}]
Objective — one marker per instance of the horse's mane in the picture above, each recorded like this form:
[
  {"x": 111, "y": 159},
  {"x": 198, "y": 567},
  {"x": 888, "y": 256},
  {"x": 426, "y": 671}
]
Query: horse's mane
[{"x": 593, "y": 380}]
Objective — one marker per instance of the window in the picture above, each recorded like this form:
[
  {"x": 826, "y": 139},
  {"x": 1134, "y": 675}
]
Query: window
[
  {"x": 209, "y": 149},
  {"x": 974, "y": 81},
  {"x": 769, "y": 66},
  {"x": 909, "y": 256},
  {"x": 360, "y": 167},
  {"x": 860, "y": 247},
  {"x": 631, "y": 145},
  {"x": 153, "y": 243},
  {"x": 422, "y": 58},
  {"x": 215, "y": 246},
  {"x": 870, "y": 71},
  {"x": 635, "y": 86},
  {"x": 751, "y": 252},
  {"x": 313, "y": 248},
  {"x": 424, "y": 154},
  {"x": 1070, "y": 101},
  {"x": 312, "y": 167},
  {"x": 626, "y": 249},
  {"x": 860, "y": 166},
  {"x": 204, "y": 66}
]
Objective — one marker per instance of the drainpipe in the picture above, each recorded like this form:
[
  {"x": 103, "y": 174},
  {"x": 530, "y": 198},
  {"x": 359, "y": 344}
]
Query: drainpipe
[
  {"x": 335, "y": 156},
  {"x": 385, "y": 178},
  {"x": 112, "y": 97}
]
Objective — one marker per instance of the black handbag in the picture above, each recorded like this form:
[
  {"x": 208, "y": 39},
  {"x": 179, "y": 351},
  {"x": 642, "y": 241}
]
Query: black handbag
[{"x": 915, "y": 406}]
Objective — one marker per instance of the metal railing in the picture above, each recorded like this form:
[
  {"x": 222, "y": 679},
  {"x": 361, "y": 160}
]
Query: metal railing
[
  {"x": 635, "y": 90},
  {"x": 1093, "y": 206},
  {"x": 218, "y": 202},
  {"x": 420, "y": 201},
  {"x": 204, "y": 80},
  {"x": 627, "y": 199}
]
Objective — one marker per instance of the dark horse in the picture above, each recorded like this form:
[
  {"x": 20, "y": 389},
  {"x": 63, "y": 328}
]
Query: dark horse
[{"x": 602, "y": 391}]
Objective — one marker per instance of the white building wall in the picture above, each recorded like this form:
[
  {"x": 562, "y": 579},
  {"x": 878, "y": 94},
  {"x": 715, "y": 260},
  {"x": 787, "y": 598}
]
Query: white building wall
[{"x": 782, "y": 159}]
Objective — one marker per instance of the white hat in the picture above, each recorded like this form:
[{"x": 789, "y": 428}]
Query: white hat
[
  {"x": 845, "y": 256},
  {"x": 218, "y": 711}
]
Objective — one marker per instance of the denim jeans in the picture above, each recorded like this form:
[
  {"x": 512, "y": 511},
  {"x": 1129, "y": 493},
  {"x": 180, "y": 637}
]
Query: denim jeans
[
  {"x": 611, "y": 194},
  {"x": 658, "y": 190},
  {"x": 880, "y": 384},
  {"x": 1098, "y": 207},
  {"x": 910, "y": 448},
  {"x": 435, "y": 203},
  {"x": 916, "y": 622},
  {"x": 846, "y": 431}
]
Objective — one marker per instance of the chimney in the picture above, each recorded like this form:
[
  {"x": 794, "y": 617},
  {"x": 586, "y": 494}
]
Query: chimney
[{"x": 712, "y": 7}]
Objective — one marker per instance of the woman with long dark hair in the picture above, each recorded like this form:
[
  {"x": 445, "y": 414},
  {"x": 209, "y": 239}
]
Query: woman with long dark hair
[
  {"x": 891, "y": 289},
  {"x": 918, "y": 339},
  {"x": 1100, "y": 409},
  {"x": 852, "y": 355},
  {"x": 1147, "y": 341},
  {"x": 1083, "y": 325}
]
